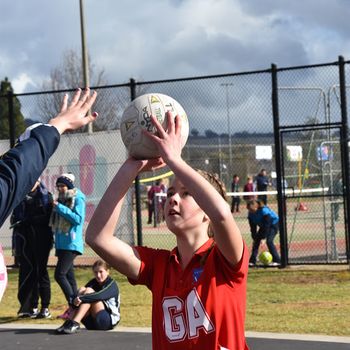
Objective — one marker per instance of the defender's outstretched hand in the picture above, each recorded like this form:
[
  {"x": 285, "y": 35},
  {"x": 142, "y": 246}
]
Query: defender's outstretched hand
[{"x": 73, "y": 116}]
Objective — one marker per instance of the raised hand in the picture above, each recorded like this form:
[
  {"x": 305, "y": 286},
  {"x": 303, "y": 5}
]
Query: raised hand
[
  {"x": 144, "y": 165},
  {"x": 73, "y": 116},
  {"x": 168, "y": 141}
]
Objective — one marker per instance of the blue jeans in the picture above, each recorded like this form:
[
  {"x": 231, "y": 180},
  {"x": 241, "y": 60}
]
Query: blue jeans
[
  {"x": 64, "y": 273},
  {"x": 270, "y": 236}
]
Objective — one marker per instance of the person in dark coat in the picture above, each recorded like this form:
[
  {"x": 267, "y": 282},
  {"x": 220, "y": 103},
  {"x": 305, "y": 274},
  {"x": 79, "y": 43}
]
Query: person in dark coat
[
  {"x": 33, "y": 239},
  {"x": 262, "y": 182},
  {"x": 236, "y": 200}
]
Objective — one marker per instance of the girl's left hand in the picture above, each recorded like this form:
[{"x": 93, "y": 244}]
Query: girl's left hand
[{"x": 168, "y": 141}]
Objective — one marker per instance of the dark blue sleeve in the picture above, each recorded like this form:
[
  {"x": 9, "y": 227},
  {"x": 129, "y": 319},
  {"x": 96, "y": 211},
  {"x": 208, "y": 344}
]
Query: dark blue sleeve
[
  {"x": 22, "y": 165},
  {"x": 252, "y": 226},
  {"x": 109, "y": 291}
]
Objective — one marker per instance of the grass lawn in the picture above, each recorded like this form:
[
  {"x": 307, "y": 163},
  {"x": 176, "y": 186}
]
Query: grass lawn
[{"x": 290, "y": 300}]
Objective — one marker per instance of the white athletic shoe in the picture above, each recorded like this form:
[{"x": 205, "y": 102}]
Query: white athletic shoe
[
  {"x": 34, "y": 313},
  {"x": 44, "y": 313}
]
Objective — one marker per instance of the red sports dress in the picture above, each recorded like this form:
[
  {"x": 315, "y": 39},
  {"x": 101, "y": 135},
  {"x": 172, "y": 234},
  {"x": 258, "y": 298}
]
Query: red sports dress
[{"x": 202, "y": 307}]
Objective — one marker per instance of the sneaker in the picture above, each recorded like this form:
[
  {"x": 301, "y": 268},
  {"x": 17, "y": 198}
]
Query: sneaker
[
  {"x": 251, "y": 264},
  {"x": 66, "y": 323},
  {"x": 71, "y": 328},
  {"x": 23, "y": 314},
  {"x": 44, "y": 313},
  {"x": 274, "y": 263},
  {"x": 67, "y": 314},
  {"x": 34, "y": 313}
]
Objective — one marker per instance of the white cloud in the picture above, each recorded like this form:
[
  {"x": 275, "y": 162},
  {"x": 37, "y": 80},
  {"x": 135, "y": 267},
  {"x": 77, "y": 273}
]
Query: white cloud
[{"x": 20, "y": 83}]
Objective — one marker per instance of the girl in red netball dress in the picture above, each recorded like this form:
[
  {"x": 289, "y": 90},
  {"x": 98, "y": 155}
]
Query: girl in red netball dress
[{"x": 199, "y": 287}]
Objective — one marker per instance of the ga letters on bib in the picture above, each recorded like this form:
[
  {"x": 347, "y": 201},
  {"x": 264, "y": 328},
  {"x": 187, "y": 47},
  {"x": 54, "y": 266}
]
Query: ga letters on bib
[{"x": 201, "y": 307}]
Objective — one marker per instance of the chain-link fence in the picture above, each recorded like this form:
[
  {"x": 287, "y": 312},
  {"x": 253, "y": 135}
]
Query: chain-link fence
[{"x": 234, "y": 129}]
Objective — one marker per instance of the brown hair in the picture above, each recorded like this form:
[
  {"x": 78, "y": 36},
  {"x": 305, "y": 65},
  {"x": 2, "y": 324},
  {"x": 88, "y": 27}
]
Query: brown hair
[
  {"x": 252, "y": 202},
  {"x": 100, "y": 263},
  {"x": 215, "y": 181}
]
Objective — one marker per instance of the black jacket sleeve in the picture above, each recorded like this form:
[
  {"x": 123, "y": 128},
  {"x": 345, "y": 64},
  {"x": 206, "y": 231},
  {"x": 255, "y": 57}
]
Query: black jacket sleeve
[
  {"x": 22, "y": 165},
  {"x": 109, "y": 291}
]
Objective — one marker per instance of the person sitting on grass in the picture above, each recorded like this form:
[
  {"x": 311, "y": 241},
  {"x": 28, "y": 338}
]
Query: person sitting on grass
[{"x": 97, "y": 304}]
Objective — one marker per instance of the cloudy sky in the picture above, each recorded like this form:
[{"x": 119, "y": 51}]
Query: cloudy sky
[{"x": 159, "y": 39}]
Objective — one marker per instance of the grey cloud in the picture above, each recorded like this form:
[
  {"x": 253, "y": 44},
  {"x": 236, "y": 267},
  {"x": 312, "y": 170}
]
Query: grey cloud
[{"x": 158, "y": 40}]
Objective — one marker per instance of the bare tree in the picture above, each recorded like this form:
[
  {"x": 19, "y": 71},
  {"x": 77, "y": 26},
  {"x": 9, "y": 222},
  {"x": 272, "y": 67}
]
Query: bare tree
[{"x": 69, "y": 75}]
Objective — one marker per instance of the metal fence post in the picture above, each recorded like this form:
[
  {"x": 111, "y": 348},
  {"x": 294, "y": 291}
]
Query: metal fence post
[
  {"x": 278, "y": 160},
  {"x": 137, "y": 181},
  {"x": 344, "y": 145}
]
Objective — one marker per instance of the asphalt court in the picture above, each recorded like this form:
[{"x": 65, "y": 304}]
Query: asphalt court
[{"x": 40, "y": 337}]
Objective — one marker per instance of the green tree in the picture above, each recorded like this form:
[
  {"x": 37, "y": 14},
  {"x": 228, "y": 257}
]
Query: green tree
[{"x": 19, "y": 122}]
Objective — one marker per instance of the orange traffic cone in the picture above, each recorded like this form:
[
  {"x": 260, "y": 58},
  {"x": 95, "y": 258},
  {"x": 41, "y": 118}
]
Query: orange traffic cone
[{"x": 301, "y": 207}]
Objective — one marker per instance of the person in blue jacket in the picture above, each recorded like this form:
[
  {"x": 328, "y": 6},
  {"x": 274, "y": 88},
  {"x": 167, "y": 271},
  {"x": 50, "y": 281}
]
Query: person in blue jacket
[
  {"x": 67, "y": 221},
  {"x": 22, "y": 165},
  {"x": 263, "y": 223},
  {"x": 97, "y": 304}
]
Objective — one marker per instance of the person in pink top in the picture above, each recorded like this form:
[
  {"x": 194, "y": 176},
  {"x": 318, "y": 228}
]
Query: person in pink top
[{"x": 249, "y": 187}]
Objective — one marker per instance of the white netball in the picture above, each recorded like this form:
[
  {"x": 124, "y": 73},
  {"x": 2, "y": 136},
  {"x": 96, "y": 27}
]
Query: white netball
[{"x": 137, "y": 117}]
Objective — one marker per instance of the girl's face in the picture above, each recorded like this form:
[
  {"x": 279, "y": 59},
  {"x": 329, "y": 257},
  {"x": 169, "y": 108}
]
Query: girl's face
[
  {"x": 61, "y": 188},
  {"x": 182, "y": 213},
  {"x": 100, "y": 274}
]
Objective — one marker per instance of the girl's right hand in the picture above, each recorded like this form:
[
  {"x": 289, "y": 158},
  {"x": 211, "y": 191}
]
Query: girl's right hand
[{"x": 145, "y": 165}]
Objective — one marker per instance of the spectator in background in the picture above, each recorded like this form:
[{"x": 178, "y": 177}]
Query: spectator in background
[
  {"x": 33, "y": 239},
  {"x": 262, "y": 182},
  {"x": 336, "y": 192},
  {"x": 164, "y": 190},
  {"x": 97, "y": 304},
  {"x": 263, "y": 223},
  {"x": 154, "y": 202},
  {"x": 67, "y": 222},
  {"x": 235, "y": 199},
  {"x": 249, "y": 187}
]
